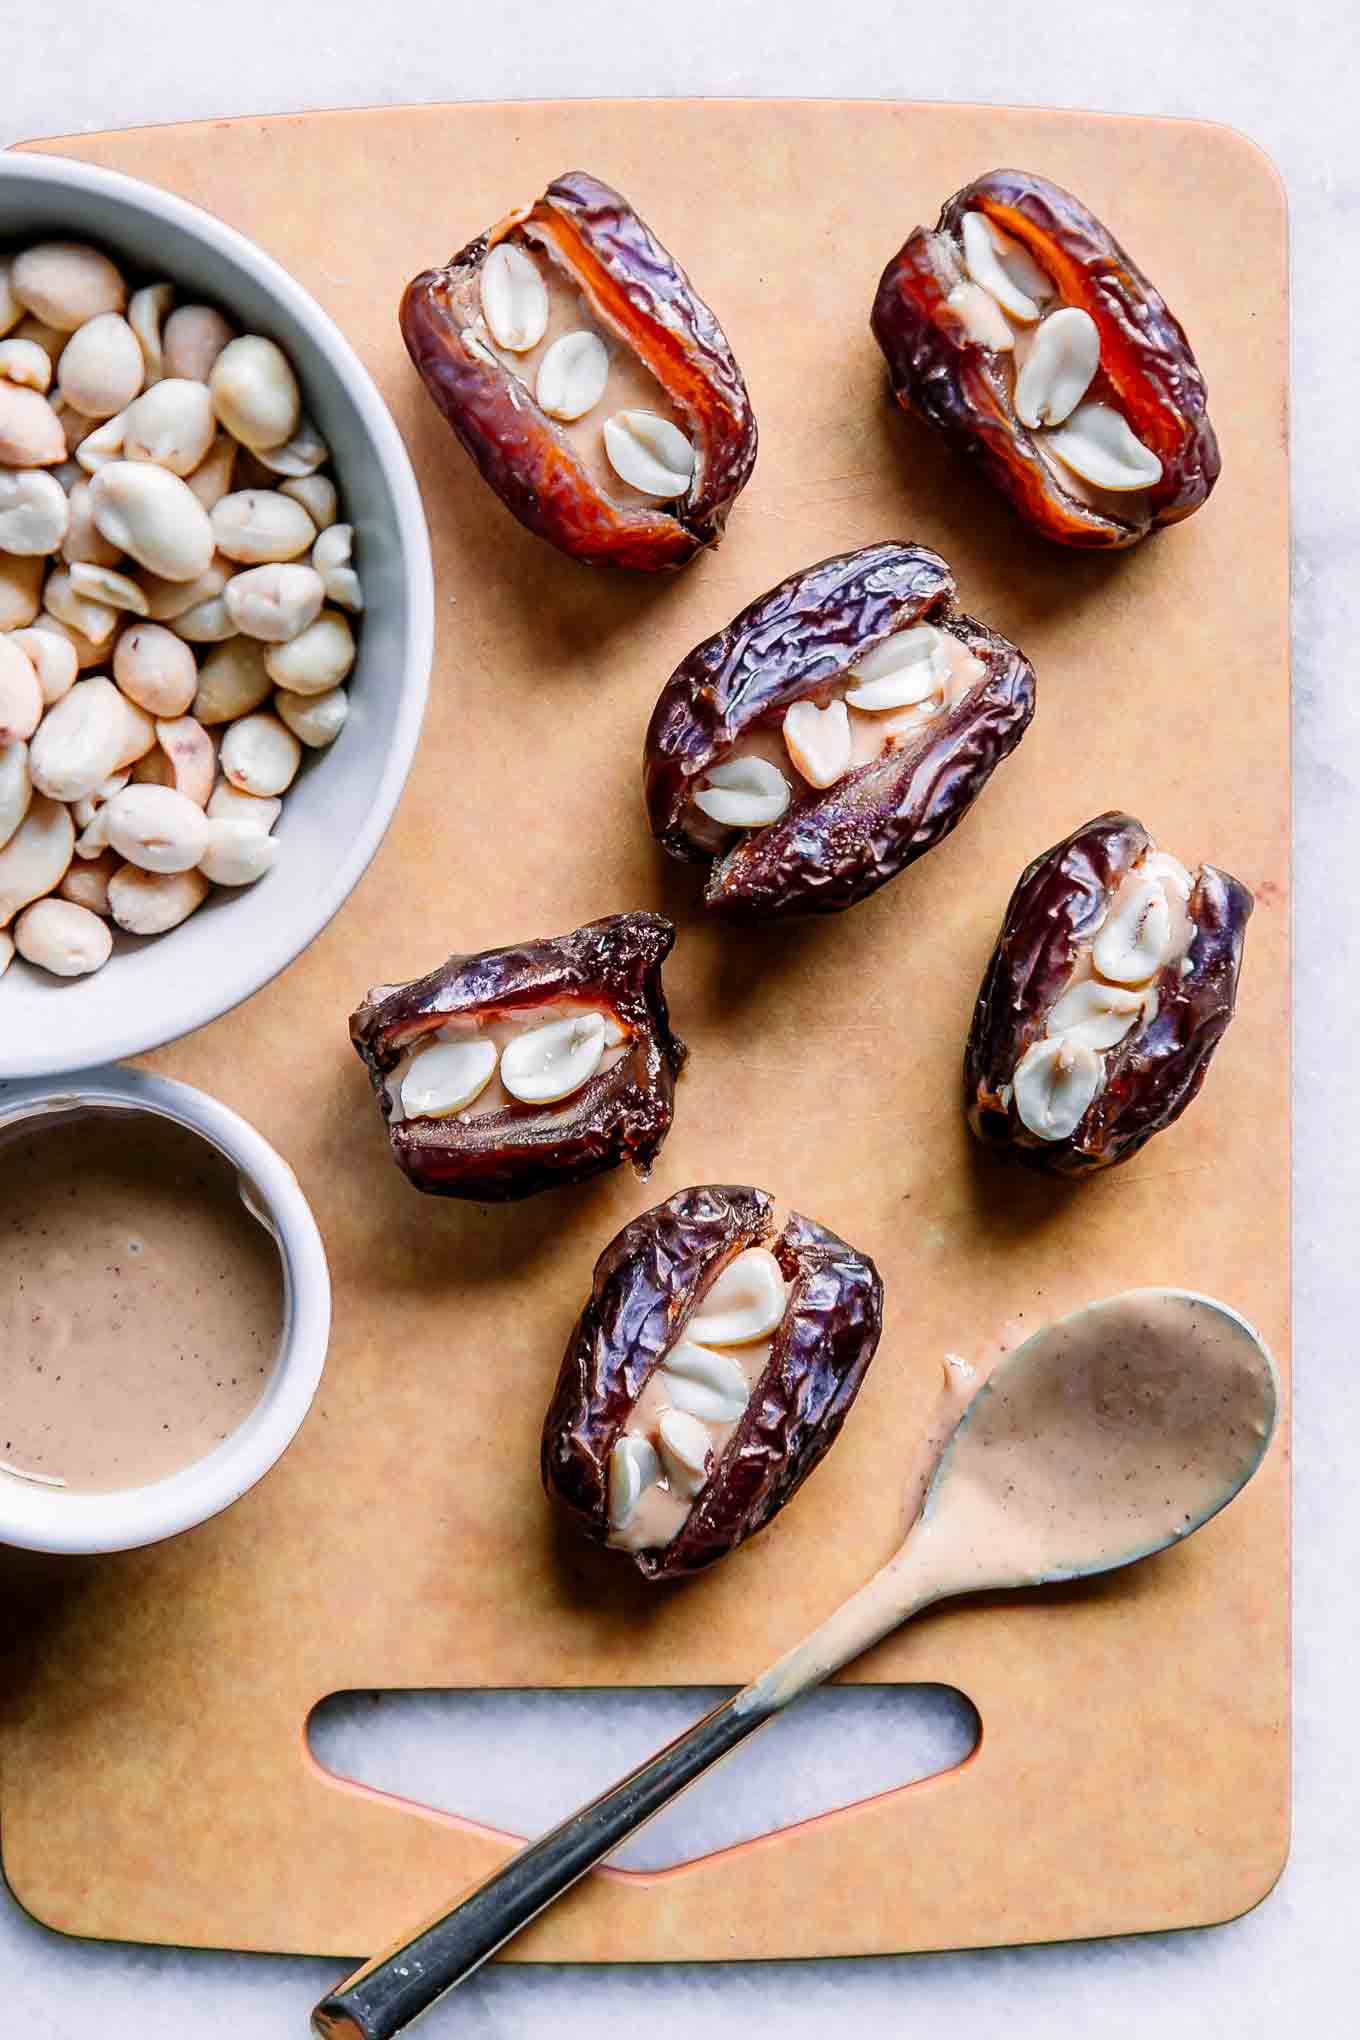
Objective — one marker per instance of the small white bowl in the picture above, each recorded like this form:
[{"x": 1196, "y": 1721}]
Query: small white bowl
[
  {"x": 38, "y": 1518},
  {"x": 336, "y": 814}
]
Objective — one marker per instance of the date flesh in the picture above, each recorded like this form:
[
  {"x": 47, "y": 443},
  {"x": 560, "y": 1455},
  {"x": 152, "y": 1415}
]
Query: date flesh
[
  {"x": 580, "y": 267},
  {"x": 518, "y": 1069},
  {"x": 651, "y": 1286},
  {"x": 1021, "y": 330},
  {"x": 861, "y": 689},
  {"x": 1112, "y": 982}
]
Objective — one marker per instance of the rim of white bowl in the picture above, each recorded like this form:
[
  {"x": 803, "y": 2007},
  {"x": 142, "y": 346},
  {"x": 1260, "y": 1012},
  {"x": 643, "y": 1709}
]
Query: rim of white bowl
[
  {"x": 275, "y": 952},
  {"x": 40, "y": 1518}
]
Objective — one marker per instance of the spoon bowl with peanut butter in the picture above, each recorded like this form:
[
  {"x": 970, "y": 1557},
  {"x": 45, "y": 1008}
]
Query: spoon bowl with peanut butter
[{"x": 1110, "y": 1435}]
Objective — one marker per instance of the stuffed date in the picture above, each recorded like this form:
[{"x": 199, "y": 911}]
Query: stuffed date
[
  {"x": 833, "y": 733},
  {"x": 711, "y": 1369},
  {"x": 1023, "y": 332},
  {"x": 589, "y": 381},
  {"x": 1111, "y": 984},
  {"x": 517, "y": 1069}
]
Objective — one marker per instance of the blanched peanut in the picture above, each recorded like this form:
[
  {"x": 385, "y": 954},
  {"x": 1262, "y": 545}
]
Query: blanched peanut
[
  {"x": 155, "y": 669},
  {"x": 21, "y": 702},
  {"x": 99, "y": 444},
  {"x": 191, "y": 755},
  {"x": 207, "y": 623},
  {"x": 87, "y": 652},
  {"x": 165, "y": 600},
  {"x": 101, "y": 367},
  {"x": 50, "y": 338},
  {"x": 156, "y": 828},
  {"x": 30, "y": 430},
  {"x": 172, "y": 424},
  {"x": 231, "y": 682},
  {"x": 331, "y": 557},
  {"x": 34, "y": 861},
  {"x": 34, "y": 513},
  {"x": 64, "y": 283},
  {"x": 84, "y": 811},
  {"x": 76, "y": 429},
  {"x": 318, "y": 659},
  {"x": 16, "y": 788},
  {"x": 101, "y": 584},
  {"x": 229, "y": 804},
  {"x": 194, "y": 336},
  {"x": 254, "y": 391},
  {"x": 54, "y": 661},
  {"x": 87, "y": 883},
  {"x": 275, "y": 603},
  {"x": 146, "y": 314},
  {"x": 153, "y": 902},
  {"x": 6, "y": 951},
  {"x": 92, "y": 732},
  {"x": 152, "y": 514},
  {"x": 154, "y": 769},
  {"x": 84, "y": 541},
  {"x": 316, "y": 493},
  {"x": 211, "y": 480},
  {"x": 260, "y": 755},
  {"x": 66, "y": 939},
  {"x": 315, "y": 719},
  {"x": 237, "y": 853},
  {"x": 256, "y": 526},
  {"x": 94, "y": 620},
  {"x": 301, "y": 455},
  {"x": 21, "y": 582},
  {"x": 24, "y": 362}
]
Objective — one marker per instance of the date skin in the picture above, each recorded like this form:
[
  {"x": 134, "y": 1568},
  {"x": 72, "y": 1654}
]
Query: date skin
[
  {"x": 1147, "y": 369},
  {"x": 647, "y": 1282},
  {"x": 834, "y": 847},
  {"x": 1152, "y": 1075},
  {"x": 621, "y": 1114},
  {"x": 637, "y": 291}
]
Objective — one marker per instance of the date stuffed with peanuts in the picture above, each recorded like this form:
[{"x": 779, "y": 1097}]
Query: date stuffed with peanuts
[
  {"x": 587, "y": 378},
  {"x": 517, "y": 1069},
  {"x": 1023, "y": 332},
  {"x": 834, "y": 732},
  {"x": 1111, "y": 984},
  {"x": 709, "y": 1372}
]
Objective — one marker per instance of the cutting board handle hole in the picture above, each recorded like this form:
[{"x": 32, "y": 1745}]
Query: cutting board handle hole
[{"x": 516, "y": 1761}]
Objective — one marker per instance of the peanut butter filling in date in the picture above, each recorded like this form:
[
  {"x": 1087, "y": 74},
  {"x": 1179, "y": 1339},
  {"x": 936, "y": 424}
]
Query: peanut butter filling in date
[
  {"x": 882, "y": 702},
  {"x": 624, "y": 429},
  {"x": 1049, "y": 353},
  {"x": 473, "y": 1066},
  {"x": 693, "y": 1401},
  {"x": 1111, "y": 991}
]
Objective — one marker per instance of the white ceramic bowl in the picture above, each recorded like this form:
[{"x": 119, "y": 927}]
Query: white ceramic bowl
[
  {"x": 336, "y": 814},
  {"x": 40, "y": 1518}
]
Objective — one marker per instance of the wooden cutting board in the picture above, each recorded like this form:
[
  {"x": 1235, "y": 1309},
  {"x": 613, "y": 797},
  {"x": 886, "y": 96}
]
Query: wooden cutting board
[{"x": 1133, "y": 1770}]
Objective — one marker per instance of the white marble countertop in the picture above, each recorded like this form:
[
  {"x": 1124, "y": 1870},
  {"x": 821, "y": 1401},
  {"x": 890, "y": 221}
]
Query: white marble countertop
[{"x": 1286, "y": 77}]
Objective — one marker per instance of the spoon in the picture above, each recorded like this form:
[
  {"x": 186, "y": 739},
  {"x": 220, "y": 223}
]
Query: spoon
[{"x": 1107, "y": 1436}]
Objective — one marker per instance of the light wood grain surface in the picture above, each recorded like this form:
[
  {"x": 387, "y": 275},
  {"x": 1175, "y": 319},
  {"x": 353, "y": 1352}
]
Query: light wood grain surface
[{"x": 155, "y": 1780}]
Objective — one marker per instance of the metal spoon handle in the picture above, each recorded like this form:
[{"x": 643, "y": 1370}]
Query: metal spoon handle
[{"x": 383, "y": 1998}]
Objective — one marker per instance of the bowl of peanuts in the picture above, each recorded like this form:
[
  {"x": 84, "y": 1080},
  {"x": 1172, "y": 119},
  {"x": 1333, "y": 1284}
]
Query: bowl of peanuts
[{"x": 216, "y": 617}]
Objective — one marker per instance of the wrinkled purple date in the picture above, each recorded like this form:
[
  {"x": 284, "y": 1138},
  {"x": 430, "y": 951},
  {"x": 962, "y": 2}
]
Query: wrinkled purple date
[
  {"x": 965, "y": 388},
  {"x": 647, "y": 1283},
  {"x": 637, "y": 292},
  {"x": 833, "y": 846},
  {"x": 1151, "y": 1076},
  {"x": 622, "y": 1113}
]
